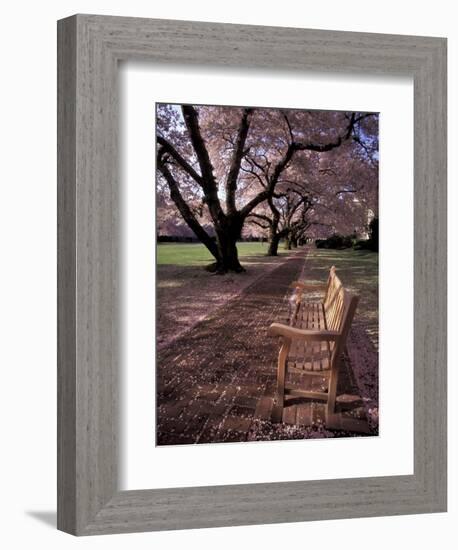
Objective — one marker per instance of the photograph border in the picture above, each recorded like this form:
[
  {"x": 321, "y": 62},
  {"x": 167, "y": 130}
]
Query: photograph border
[{"x": 90, "y": 48}]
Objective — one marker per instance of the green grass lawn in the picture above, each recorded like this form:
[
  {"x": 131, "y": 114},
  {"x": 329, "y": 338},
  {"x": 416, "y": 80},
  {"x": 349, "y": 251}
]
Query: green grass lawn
[
  {"x": 358, "y": 267},
  {"x": 197, "y": 254}
]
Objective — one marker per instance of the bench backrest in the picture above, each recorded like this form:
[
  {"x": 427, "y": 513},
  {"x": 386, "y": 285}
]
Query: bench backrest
[
  {"x": 333, "y": 301},
  {"x": 339, "y": 305}
]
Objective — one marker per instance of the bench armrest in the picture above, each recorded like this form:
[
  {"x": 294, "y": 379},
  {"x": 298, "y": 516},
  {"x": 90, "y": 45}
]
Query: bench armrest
[
  {"x": 308, "y": 286},
  {"x": 297, "y": 333}
]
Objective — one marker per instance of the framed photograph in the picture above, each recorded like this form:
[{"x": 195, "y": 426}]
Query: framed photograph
[
  {"x": 231, "y": 350},
  {"x": 299, "y": 181}
]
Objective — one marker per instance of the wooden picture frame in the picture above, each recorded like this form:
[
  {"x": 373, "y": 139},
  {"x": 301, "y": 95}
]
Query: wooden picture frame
[{"x": 89, "y": 48}]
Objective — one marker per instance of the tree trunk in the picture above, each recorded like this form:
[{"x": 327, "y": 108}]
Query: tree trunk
[
  {"x": 288, "y": 243},
  {"x": 274, "y": 234},
  {"x": 294, "y": 242},
  {"x": 226, "y": 240},
  {"x": 274, "y": 241},
  {"x": 228, "y": 254}
]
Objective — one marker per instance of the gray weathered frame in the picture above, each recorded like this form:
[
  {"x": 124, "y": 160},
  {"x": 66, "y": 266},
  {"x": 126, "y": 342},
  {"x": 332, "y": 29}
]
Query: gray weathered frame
[{"x": 89, "y": 48}]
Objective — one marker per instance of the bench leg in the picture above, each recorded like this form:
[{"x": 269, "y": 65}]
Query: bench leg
[
  {"x": 277, "y": 412},
  {"x": 332, "y": 391}
]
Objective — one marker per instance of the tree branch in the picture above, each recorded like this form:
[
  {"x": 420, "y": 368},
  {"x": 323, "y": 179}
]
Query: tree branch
[
  {"x": 209, "y": 185},
  {"x": 170, "y": 149},
  {"x": 293, "y": 147},
  {"x": 185, "y": 211},
  {"x": 290, "y": 130},
  {"x": 259, "y": 224},
  {"x": 191, "y": 119},
  {"x": 273, "y": 179},
  {"x": 255, "y": 174},
  {"x": 260, "y": 216},
  {"x": 295, "y": 206},
  {"x": 237, "y": 155},
  {"x": 322, "y": 148}
]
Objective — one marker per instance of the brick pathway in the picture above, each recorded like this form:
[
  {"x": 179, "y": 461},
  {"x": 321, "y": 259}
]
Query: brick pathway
[{"x": 216, "y": 382}]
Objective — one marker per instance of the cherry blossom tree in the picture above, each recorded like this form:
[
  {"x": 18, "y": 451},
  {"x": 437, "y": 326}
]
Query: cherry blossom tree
[
  {"x": 284, "y": 217},
  {"x": 224, "y": 166}
]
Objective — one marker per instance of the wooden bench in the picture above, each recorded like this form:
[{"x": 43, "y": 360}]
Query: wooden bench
[{"x": 314, "y": 340}]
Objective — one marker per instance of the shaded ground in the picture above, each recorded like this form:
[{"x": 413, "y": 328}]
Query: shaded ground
[
  {"x": 186, "y": 293},
  {"x": 216, "y": 382}
]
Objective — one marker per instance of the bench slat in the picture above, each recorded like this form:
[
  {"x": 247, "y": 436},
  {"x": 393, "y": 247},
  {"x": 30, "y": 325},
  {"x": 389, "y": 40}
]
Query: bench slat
[{"x": 310, "y": 356}]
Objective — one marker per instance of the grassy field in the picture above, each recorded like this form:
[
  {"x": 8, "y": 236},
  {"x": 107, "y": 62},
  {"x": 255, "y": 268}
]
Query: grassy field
[
  {"x": 197, "y": 254},
  {"x": 357, "y": 267}
]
